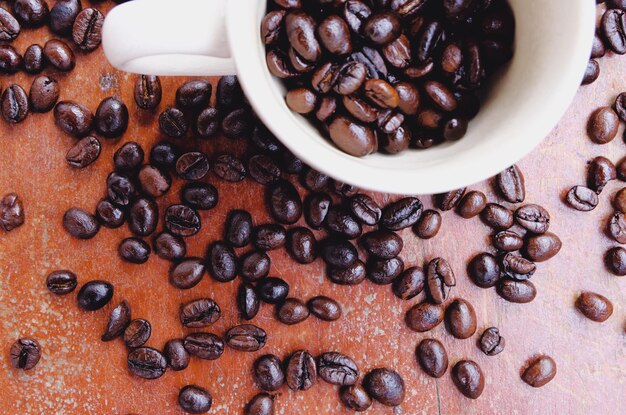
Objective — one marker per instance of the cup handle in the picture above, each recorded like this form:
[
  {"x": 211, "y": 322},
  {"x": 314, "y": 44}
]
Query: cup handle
[{"x": 169, "y": 37}]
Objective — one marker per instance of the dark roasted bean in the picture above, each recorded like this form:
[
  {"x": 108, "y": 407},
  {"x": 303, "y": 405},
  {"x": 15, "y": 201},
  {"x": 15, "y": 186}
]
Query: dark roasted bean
[
  {"x": 109, "y": 215},
  {"x": 582, "y": 198},
  {"x": 263, "y": 169},
  {"x": 385, "y": 385},
  {"x": 128, "y": 157},
  {"x": 351, "y": 275},
  {"x": 472, "y": 204},
  {"x": 424, "y": 316},
  {"x": 334, "y": 34},
  {"x": 284, "y": 202},
  {"x": 59, "y": 55},
  {"x": 254, "y": 265},
  {"x": 111, "y": 118},
  {"x": 301, "y": 100},
  {"x": 187, "y": 273},
  {"x": 382, "y": 244},
  {"x": 617, "y": 227},
  {"x": 194, "y": 399},
  {"x": 230, "y": 168},
  {"x": 33, "y": 59},
  {"x": 602, "y": 125},
  {"x": 365, "y": 209},
  {"x": 619, "y": 200},
  {"x": 616, "y": 260},
  {"x": 432, "y": 357},
  {"x": 337, "y": 369},
  {"x": 440, "y": 280},
  {"x": 269, "y": 236},
  {"x": 206, "y": 346},
  {"x": 516, "y": 291},
  {"x": 80, "y": 224},
  {"x": 199, "y": 313},
  {"x": 450, "y": 200},
  {"x": 511, "y": 184},
  {"x": 146, "y": 363},
  {"x": 94, "y": 295},
  {"x": 594, "y": 306},
  {"x": 592, "y": 72},
  {"x": 428, "y": 225},
  {"x": 353, "y": 138},
  {"x": 199, "y": 195},
  {"x": 119, "y": 319},
  {"x": 83, "y": 153},
  {"x": 491, "y": 343},
  {"x": 409, "y": 284},
  {"x": 460, "y": 319},
  {"x": 302, "y": 245},
  {"x": 73, "y": 118},
  {"x": 533, "y": 218},
  {"x": 339, "y": 252},
  {"x": 120, "y": 189},
  {"x": 468, "y": 378},
  {"x": 32, "y": 13},
  {"x": 354, "y": 396},
  {"x": 484, "y": 270},
  {"x": 246, "y": 338},
  {"x": 172, "y": 123},
  {"x": 238, "y": 228},
  {"x": 268, "y": 373},
  {"x": 192, "y": 166},
  {"x": 301, "y": 371},
  {"x": 137, "y": 333},
  {"x": 169, "y": 247},
  {"x": 497, "y": 216},
  {"x": 9, "y": 26},
  {"x": 154, "y": 181},
  {"x": 182, "y": 220},
  {"x": 314, "y": 180},
  {"x": 516, "y": 267},
  {"x": 148, "y": 92},
  {"x": 272, "y": 290},
  {"x": 229, "y": 93},
  {"x": 507, "y": 241},
  {"x": 14, "y": 104},
  {"x": 340, "y": 222},
  {"x": 176, "y": 355},
  {"x": 324, "y": 308},
  {"x": 237, "y": 123},
  {"x": 540, "y": 371},
  {"x": 194, "y": 95},
  {"x": 540, "y": 248},
  {"x": 260, "y": 404},
  {"x": 401, "y": 214},
  {"x": 248, "y": 302},
  {"x": 61, "y": 282},
  {"x": 601, "y": 171},
  {"x": 292, "y": 311},
  {"x": 271, "y": 26},
  {"x": 221, "y": 262},
  {"x": 143, "y": 217},
  {"x": 620, "y": 106},
  {"x": 300, "y": 29},
  {"x": 316, "y": 209},
  {"x": 11, "y": 212},
  {"x": 87, "y": 29},
  {"x": 25, "y": 353},
  {"x": 613, "y": 25},
  {"x": 134, "y": 250}
]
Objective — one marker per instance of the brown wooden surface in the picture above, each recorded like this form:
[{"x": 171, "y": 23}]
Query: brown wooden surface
[{"x": 78, "y": 374}]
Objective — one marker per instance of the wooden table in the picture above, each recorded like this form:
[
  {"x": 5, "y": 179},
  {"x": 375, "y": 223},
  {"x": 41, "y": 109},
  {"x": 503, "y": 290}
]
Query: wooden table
[{"x": 79, "y": 374}]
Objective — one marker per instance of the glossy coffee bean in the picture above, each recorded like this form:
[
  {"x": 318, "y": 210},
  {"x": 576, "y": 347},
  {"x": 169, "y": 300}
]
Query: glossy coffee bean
[
  {"x": 302, "y": 245},
  {"x": 516, "y": 291},
  {"x": 263, "y": 169},
  {"x": 540, "y": 248},
  {"x": 10, "y": 59},
  {"x": 602, "y": 125},
  {"x": 613, "y": 27},
  {"x": 484, "y": 270},
  {"x": 146, "y": 363},
  {"x": 301, "y": 371},
  {"x": 94, "y": 295},
  {"x": 314, "y": 180},
  {"x": 338, "y": 252},
  {"x": 497, "y": 216},
  {"x": 365, "y": 209},
  {"x": 594, "y": 306},
  {"x": 80, "y": 224},
  {"x": 424, "y": 316},
  {"x": 120, "y": 189},
  {"x": 14, "y": 104},
  {"x": 111, "y": 118},
  {"x": 355, "y": 397},
  {"x": 148, "y": 92},
  {"x": 83, "y": 153},
  {"x": 268, "y": 373},
  {"x": 324, "y": 308},
  {"x": 87, "y": 29},
  {"x": 432, "y": 357},
  {"x": 269, "y": 236},
  {"x": 491, "y": 342},
  {"x": 301, "y": 100},
  {"x": 172, "y": 123},
  {"x": 401, "y": 214},
  {"x": 153, "y": 181},
  {"x": 384, "y": 271},
  {"x": 248, "y": 302},
  {"x": 534, "y": 218},
  {"x": 221, "y": 262},
  {"x": 31, "y": 13},
  {"x": 540, "y": 371},
  {"x": 11, "y": 212},
  {"x": 199, "y": 195},
  {"x": 229, "y": 167},
  {"x": 460, "y": 319},
  {"x": 592, "y": 72},
  {"x": 582, "y": 198},
  {"x": 73, "y": 118},
  {"x": 409, "y": 283},
  {"x": 337, "y": 369},
  {"x": 59, "y": 55},
  {"x": 472, "y": 204},
  {"x": 205, "y": 346},
  {"x": 229, "y": 93},
  {"x": 601, "y": 171},
  {"x": 25, "y": 354},
  {"x": 109, "y": 215},
  {"x": 615, "y": 260},
  {"x": 176, "y": 355},
  {"x": 468, "y": 378},
  {"x": 137, "y": 333},
  {"x": 450, "y": 200},
  {"x": 316, "y": 209},
  {"x": 192, "y": 165},
  {"x": 61, "y": 282},
  {"x": 617, "y": 227},
  {"x": 340, "y": 222},
  {"x": 353, "y": 138},
  {"x": 169, "y": 247},
  {"x": 292, "y": 311},
  {"x": 237, "y": 123},
  {"x": 619, "y": 200},
  {"x": 194, "y": 95},
  {"x": 254, "y": 265},
  {"x": 507, "y": 241},
  {"x": 385, "y": 385},
  {"x": 119, "y": 319},
  {"x": 272, "y": 290},
  {"x": 134, "y": 250},
  {"x": 34, "y": 61},
  {"x": 187, "y": 273},
  {"x": 182, "y": 220},
  {"x": 128, "y": 157},
  {"x": 428, "y": 225},
  {"x": 199, "y": 313},
  {"x": 246, "y": 338},
  {"x": 382, "y": 244},
  {"x": 440, "y": 280},
  {"x": 271, "y": 26},
  {"x": 284, "y": 202},
  {"x": 238, "y": 228},
  {"x": 517, "y": 267},
  {"x": 195, "y": 399},
  {"x": 260, "y": 404},
  {"x": 9, "y": 26},
  {"x": 143, "y": 217},
  {"x": 351, "y": 275},
  {"x": 511, "y": 184}
]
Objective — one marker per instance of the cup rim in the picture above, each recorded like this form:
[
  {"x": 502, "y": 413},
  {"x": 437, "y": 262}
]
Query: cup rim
[{"x": 302, "y": 141}]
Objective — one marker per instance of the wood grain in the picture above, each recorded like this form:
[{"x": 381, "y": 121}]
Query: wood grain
[{"x": 78, "y": 374}]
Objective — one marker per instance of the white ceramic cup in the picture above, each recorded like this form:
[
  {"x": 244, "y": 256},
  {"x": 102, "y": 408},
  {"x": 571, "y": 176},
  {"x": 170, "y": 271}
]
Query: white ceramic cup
[{"x": 219, "y": 37}]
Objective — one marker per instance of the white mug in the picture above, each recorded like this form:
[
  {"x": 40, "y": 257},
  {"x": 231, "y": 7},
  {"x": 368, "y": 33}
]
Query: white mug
[{"x": 218, "y": 37}]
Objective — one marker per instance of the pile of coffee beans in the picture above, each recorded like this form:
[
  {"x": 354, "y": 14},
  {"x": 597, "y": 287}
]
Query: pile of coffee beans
[{"x": 387, "y": 75}]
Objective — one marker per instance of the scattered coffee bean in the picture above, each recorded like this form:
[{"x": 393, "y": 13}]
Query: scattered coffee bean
[
  {"x": 169, "y": 247},
  {"x": 62, "y": 16},
  {"x": 61, "y": 282},
  {"x": 199, "y": 195},
  {"x": 432, "y": 357},
  {"x": 601, "y": 171},
  {"x": 109, "y": 215},
  {"x": 246, "y": 338},
  {"x": 73, "y": 118},
  {"x": 324, "y": 308},
  {"x": 365, "y": 209},
  {"x": 619, "y": 200},
  {"x": 238, "y": 228},
  {"x": 59, "y": 55},
  {"x": 382, "y": 244},
  {"x": 192, "y": 166},
  {"x": 337, "y": 369},
  {"x": 351, "y": 275},
  {"x": 384, "y": 271},
  {"x": 87, "y": 29},
  {"x": 10, "y": 59},
  {"x": 385, "y": 385},
  {"x": 269, "y": 236},
  {"x": 497, "y": 216},
  {"x": 263, "y": 169},
  {"x": 460, "y": 319},
  {"x": 248, "y": 302},
  {"x": 594, "y": 306},
  {"x": 143, "y": 217},
  {"x": 120, "y": 189},
  {"x": 9, "y": 26},
  {"x": 205, "y": 346},
  {"x": 516, "y": 291},
  {"x": 25, "y": 353},
  {"x": 194, "y": 95},
  {"x": 260, "y": 404},
  {"x": 316, "y": 209},
  {"x": 340, "y": 222},
  {"x": 134, "y": 250},
  {"x": 484, "y": 270},
  {"x": 440, "y": 280},
  {"x": 83, "y": 153},
  {"x": 182, "y": 220},
  {"x": 229, "y": 167},
  {"x": 401, "y": 214},
  {"x": 468, "y": 378},
  {"x": 207, "y": 123},
  {"x": 409, "y": 284},
  {"x": 284, "y": 202},
  {"x": 137, "y": 333},
  {"x": 173, "y": 123},
  {"x": 428, "y": 225},
  {"x": 292, "y": 311},
  {"x": 34, "y": 61},
  {"x": 119, "y": 319},
  {"x": 11, "y": 212},
  {"x": 187, "y": 273},
  {"x": 450, "y": 200},
  {"x": 540, "y": 248},
  {"x": 617, "y": 227},
  {"x": 511, "y": 184},
  {"x": 302, "y": 245},
  {"x": 472, "y": 204},
  {"x": 111, "y": 118},
  {"x": 272, "y": 290},
  {"x": 314, "y": 180},
  {"x": 616, "y": 260},
  {"x": 533, "y": 218},
  {"x": 339, "y": 252},
  {"x": 148, "y": 92},
  {"x": 199, "y": 313},
  {"x": 424, "y": 316},
  {"x": 176, "y": 355},
  {"x": 301, "y": 371},
  {"x": 354, "y": 396},
  {"x": 268, "y": 373},
  {"x": 491, "y": 343},
  {"x": 43, "y": 95},
  {"x": 146, "y": 363},
  {"x": 154, "y": 181},
  {"x": 221, "y": 262},
  {"x": 94, "y": 295},
  {"x": 237, "y": 123},
  {"x": 14, "y": 104},
  {"x": 80, "y": 224},
  {"x": 254, "y": 265},
  {"x": 540, "y": 371},
  {"x": 516, "y": 267},
  {"x": 592, "y": 72},
  {"x": 194, "y": 399},
  {"x": 507, "y": 241},
  {"x": 582, "y": 198},
  {"x": 613, "y": 28},
  {"x": 602, "y": 126}
]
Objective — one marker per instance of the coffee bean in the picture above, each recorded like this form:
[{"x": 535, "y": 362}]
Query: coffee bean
[
  {"x": 316, "y": 209},
  {"x": 516, "y": 267},
  {"x": 248, "y": 302},
  {"x": 484, "y": 270},
  {"x": 94, "y": 295},
  {"x": 300, "y": 29},
  {"x": 582, "y": 198},
  {"x": 272, "y": 290},
  {"x": 314, "y": 180},
  {"x": 229, "y": 93},
  {"x": 290, "y": 163},
  {"x": 385, "y": 385},
  {"x": 87, "y": 29},
  {"x": 432, "y": 357},
  {"x": 148, "y": 92},
  {"x": 615, "y": 260},
  {"x": 401, "y": 214},
  {"x": 384, "y": 271},
  {"x": 199, "y": 313},
  {"x": 80, "y": 224},
  {"x": 173, "y": 123},
  {"x": 9, "y": 26},
  {"x": 146, "y": 363},
  {"x": 344, "y": 190},
  {"x": 31, "y": 13},
  {"x": 61, "y": 282},
  {"x": 292, "y": 311},
  {"x": 351, "y": 275},
  {"x": 472, "y": 204},
  {"x": 602, "y": 125},
  {"x": 424, "y": 316},
  {"x": 176, "y": 355},
  {"x": 271, "y": 26},
  {"x": 340, "y": 222},
  {"x": 263, "y": 139},
  {"x": 238, "y": 228},
  {"x": 491, "y": 343},
  {"x": 269, "y": 236},
  {"x": 620, "y": 106},
  {"x": 194, "y": 95},
  {"x": 14, "y": 104},
  {"x": 507, "y": 241},
  {"x": 246, "y": 338},
  {"x": 613, "y": 26},
  {"x": 230, "y": 168},
  {"x": 182, "y": 220},
  {"x": 192, "y": 166},
  {"x": 301, "y": 371},
  {"x": 409, "y": 283},
  {"x": 109, "y": 215},
  {"x": 169, "y": 247},
  {"x": 263, "y": 169},
  {"x": 194, "y": 399},
  {"x": 25, "y": 353},
  {"x": 205, "y": 346},
  {"x": 365, "y": 209},
  {"x": 301, "y": 100},
  {"x": 284, "y": 202},
  {"x": 154, "y": 181},
  {"x": 187, "y": 274},
  {"x": 237, "y": 123},
  {"x": 534, "y": 218},
  {"x": 594, "y": 306},
  {"x": 137, "y": 333},
  {"x": 382, "y": 244},
  {"x": 120, "y": 189},
  {"x": 128, "y": 157},
  {"x": 72, "y": 118},
  {"x": 119, "y": 319},
  {"x": 619, "y": 200},
  {"x": 440, "y": 279},
  {"x": 511, "y": 184},
  {"x": 601, "y": 171},
  {"x": 302, "y": 245},
  {"x": 354, "y": 396},
  {"x": 260, "y": 404},
  {"x": 62, "y": 16},
  {"x": 617, "y": 227},
  {"x": 337, "y": 369},
  {"x": 516, "y": 291},
  {"x": 339, "y": 252},
  {"x": 450, "y": 200},
  {"x": 33, "y": 58},
  {"x": 541, "y": 248},
  {"x": 592, "y": 72},
  {"x": 540, "y": 371},
  {"x": 143, "y": 217},
  {"x": 11, "y": 212},
  {"x": 268, "y": 373},
  {"x": 428, "y": 225},
  {"x": 59, "y": 55},
  {"x": 497, "y": 216},
  {"x": 460, "y": 319},
  {"x": 254, "y": 265},
  {"x": 10, "y": 59},
  {"x": 353, "y": 138},
  {"x": 468, "y": 378},
  {"x": 111, "y": 118},
  {"x": 221, "y": 262},
  {"x": 324, "y": 308},
  {"x": 199, "y": 195},
  {"x": 134, "y": 250}
]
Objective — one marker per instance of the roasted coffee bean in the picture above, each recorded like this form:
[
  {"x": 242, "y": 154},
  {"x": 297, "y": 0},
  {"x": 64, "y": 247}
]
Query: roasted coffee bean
[
  {"x": 516, "y": 267},
  {"x": 316, "y": 209},
  {"x": 194, "y": 399},
  {"x": 137, "y": 333},
  {"x": 269, "y": 236},
  {"x": 382, "y": 244},
  {"x": 302, "y": 245},
  {"x": 428, "y": 225},
  {"x": 516, "y": 291},
  {"x": 468, "y": 378},
  {"x": 615, "y": 4},
  {"x": 206, "y": 346},
  {"x": 61, "y": 282},
  {"x": 109, "y": 215},
  {"x": 230, "y": 168},
  {"x": 620, "y": 106},
  {"x": 80, "y": 224},
  {"x": 440, "y": 95},
  {"x": 353, "y": 138},
  {"x": 14, "y": 104},
  {"x": 94, "y": 295},
  {"x": 619, "y": 200},
  {"x": 236, "y": 123},
  {"x": 25, "y": 353},
  {"x": 460, "y": 319},
  {"x": 59, "y": 55},
  {"x": 148, "y": 92},
  {"x": 497, "y": 216},
  {"x": 221, "y": 262},
  {"x": 11, "y": 212},
  {"x": 344, "y": 190},
  {"x": 540, "y": 371},
  {"x": 143, "y": 217},
  {"x": 229, "y": 93},
  {"x": 134, "y": 250},
  {"x": 359, "y": 108},
  {"x": 272, "y": 290},
  {"x": 301, "y": 371},
  {"x": 355, "y": 397},
  {"x": 601, "y": 171},
  {"x": 10, "y": 59},
  {"x": 192, "y": 166},
  {"x": 401, "y": 214},
  {"x": 351, "y": 275},
  {"x": 300, "y": 29},
  {"x": 301, "y": 100},
  {"x": 592, "y": 72},
  {"x": 491, "y": 343},
  {"x": 119, "y": 319},
  {"x": 594, "y": 306},
  {"x": 9, "y": 26},
  {"x": 238, "y": 228},
  {"x": 260, "y": 404},
  {"x": 324, "y": 308},
  {"x": 398, "y": 52},
  {"x": 440, "y": 280},
  {"x": 284, "y": 202},
  {"x": 187, "y": 273},
  {"x": 176, "y": 355},
  {"x": 173, "y": 123},
  {"x": 511, "y": 184},
  {"x": 264, "y": 140},
  {"x": 248, "y": 302},
  {"x": 199, "y": 195},
  {"x": 31, "y": 13},
  {"x": 365, "y": 209},
  {"x": 120, "y": 189},
  {"x": 484, "y": 269},
  {"x": 246, "y": 338},
  {"x": 450, "y": 200},
  {"x": 33, "y": 59},
  {"x": 616, "y": 260},
  {"x": 472, "y": 204},
  {"x": 146, "y": 363},
  {"x": 582, "y": 198},
  {"x": 507, "y": 241},
  {"x": 263, "y": 169},
  {"x": 62, "y": 16},
  {"x": 617, "y": 227},
  {"x": 541, "y": 248},
  {"x": 194, "y": 95},
  {"x": 334, "y": 34},
  {"x": 72, "y": 118},
  {"x": 602, "y": 125},
  {"x": 254, "y": 265},
  {"x": 272, "y": 26},
  {"x": 111, "y": 118},
  {"x": 613, "y": 26},
  {"x": 128, "y": 157},
  {"x": 409, "y": 283},
  {"x": 339, "y": 252},
  {"x": 87, "y": 29},
  {"x": 432, "y": 357},
  {"x": 385, "y": 385},
  {"x": 268, "y": 373},
  {"x": 534, "y": 218},
  {"x": 382, "y": 28},
  {"x": 337, "y": 369},
  {"x": 154, "y": 181},
  {"x": 314, "y": 180},
  {"x": 169, "y": 247},
  {"x": 199, "y": 313},
  {"x": 424, "y": 316},
  {"x": 292, "y": 311},
  {"x": 339, "y": 221},
  {"x": 182, "y": 220}
]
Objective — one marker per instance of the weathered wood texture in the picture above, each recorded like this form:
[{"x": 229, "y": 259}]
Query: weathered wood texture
[{"x": 78, "y": 374}]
